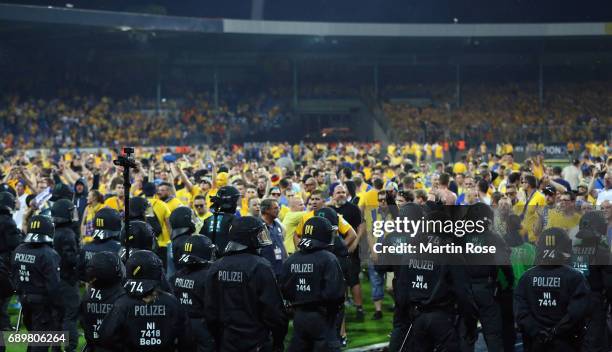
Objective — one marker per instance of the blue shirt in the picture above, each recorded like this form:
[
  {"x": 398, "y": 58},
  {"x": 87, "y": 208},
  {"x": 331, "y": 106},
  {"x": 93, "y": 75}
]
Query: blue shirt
[{"x": 275, "y": 253}]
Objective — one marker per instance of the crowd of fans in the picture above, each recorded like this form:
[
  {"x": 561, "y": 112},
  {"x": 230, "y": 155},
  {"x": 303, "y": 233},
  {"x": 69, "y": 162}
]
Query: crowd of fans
[
  {"x": 493, "y": 112},
  {"x": 102, "y": 121},
  {"x": 527, "y": 197}
]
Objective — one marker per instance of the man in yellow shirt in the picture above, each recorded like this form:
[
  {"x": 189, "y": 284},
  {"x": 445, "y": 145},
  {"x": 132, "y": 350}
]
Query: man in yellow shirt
[
  {"x": 529, "y": 208},
  {"x": 117, "y": 201},
  {"x": 165, "y": 192},
  {"x": 291, "y": 221},
  {"x": 315, "y": 203},
  {"x": 162, "y": 213}
]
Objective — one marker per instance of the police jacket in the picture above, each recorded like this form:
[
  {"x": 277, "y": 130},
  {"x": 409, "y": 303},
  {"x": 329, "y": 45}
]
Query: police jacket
[
  {"x": 157, "y": 325},
  {"x": 551, "y": 297},
  {"x": 96, "y": 303},
  {"x": 592, "y": 258},
  {"x": 216, "y": 227},
  {"x": 188, "y": 285},
  {"x": 434, "y": 282},
  {"x": 242, "y": 303},
  {"x": 178, "y": 249},
  {"x": 88, "y": 250},
  {"x": 65, "y": 244},
  {"x": 10, "y": 237},
  {"x": 313, "y": 278},
  {"x": 36, "y": 274},
  {"x": 483, "y": 268}
]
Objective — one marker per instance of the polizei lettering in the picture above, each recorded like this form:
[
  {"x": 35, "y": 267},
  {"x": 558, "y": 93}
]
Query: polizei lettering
[
  {"x": 184, "y": 283},
  {"x": 302, "y": 268},
  {"x": 150, "y": 310},
  {"x": 25, "y": 258},
  {"x": 99, "y": 308},
  {"x": 542, "y": 281},
  {"x": 230, "y": 276}
]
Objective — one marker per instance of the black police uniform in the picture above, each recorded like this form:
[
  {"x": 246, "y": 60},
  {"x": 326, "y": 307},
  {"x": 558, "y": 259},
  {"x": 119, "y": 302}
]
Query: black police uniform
[
  {"x": 189, "y": 286},
  {"x": 10, "y": 238},
  {"x": 183, "y": 225},
  {"x": 483, "y": 281},
  {"x": 36, "y": 273},
  {"x": 65, "y": 243},
  {"x": 216, "y": 227},
  {"x": 146, "y": 318},
  {"x": 392, "y": 262},
  {"x": 243, "y": 307},
  {"x": 139, "y": 236},
  {"x": 591, "y": 256},
  {"x": 107, "y": 229},
  {"x": 104, "y": 272},
  {"x": 551, "y": 300},
  {"x": 313, "y": 282},
  {"x": 428, "y": 290},
  {"x": 350, "y": 212}
]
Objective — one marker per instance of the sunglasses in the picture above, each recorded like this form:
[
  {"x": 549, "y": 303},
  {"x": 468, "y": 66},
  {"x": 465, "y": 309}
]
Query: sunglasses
[
  {"x": 275, "y": 194},
  {"x": 199, "y": 205}
]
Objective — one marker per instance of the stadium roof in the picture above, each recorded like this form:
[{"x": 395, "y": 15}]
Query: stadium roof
[{"x": 134, "y": 21}]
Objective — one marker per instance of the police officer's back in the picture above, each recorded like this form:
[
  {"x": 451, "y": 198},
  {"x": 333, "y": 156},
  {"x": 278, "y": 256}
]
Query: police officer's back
[
  {"x": 65, "y": 243},
  {"x": 429, "y": 288},
  {"x": 189, "y": 286},
  {"x": 243, "y": 306},
  {"x": 183, "y": 225},
  {"x": 313, "y": 282},
  {"x": 36, "y": 273},
  {"x": 216, "y": 227},
  {"x": 551, "y": 299},
  {"x": 591, "y": 256},
  {"x": 107, "y": 230},
  {"x": 104, "y": 274},
  {"x": 139, "y": 236},
  {"x": 146, "y": 318},
  {"x": 10, "y": 237}
]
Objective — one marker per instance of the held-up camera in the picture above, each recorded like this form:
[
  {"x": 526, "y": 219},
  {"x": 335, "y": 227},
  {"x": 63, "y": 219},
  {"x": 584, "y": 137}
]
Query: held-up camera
[{"x": 126, "y": 159}]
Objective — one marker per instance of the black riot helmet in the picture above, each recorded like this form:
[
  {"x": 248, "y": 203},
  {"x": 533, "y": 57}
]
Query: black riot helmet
[
  {"x": 104, "y": 269},
  {"x": 198, "y": 249},
  {"x": 139, "y": 236},
  {"x": 182, "y": 220},
  {"x": 139, "y": 208},
  {"x": 318, "y": 233},
  {"x": 330, "y": 214},
  {"x": 554, "y": 247},
  {"x": 64, "y": 212},
  {"x": 592, "y": 224},
  {"x": 61, "y": 191},
  {"x": 144, "y": 272},
  {"x": 7, "y": 202},
  {"x": 40, "y": 230},
  {"x": 107, "y": 224},
  {"x": 226, "y": 199},
  {"x": 247, "y": 232},
  {"x": 480, "y": 212}
]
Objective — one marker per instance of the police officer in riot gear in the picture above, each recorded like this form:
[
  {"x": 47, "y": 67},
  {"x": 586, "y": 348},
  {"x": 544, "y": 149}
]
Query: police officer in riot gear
[
  {"x": 140, "y": 209},
  {"x": 107, "y": 229},
  {"x": 312, "y": 280},
  {"x": 104, "y": 274},
  {"x": 244, "y": 310},
  {"x": 591, "y": 256},
  {"x": 189, "y": 285},
  {"x": 66, "y": 244},
  {"x": 138, "y": 237},
  {"x": 10, "y": 237},
  {"x": 551, "y": 300},
  {"x": 36, "y": 273},
  {"x": 216, "y": 227},
  {"x": 183, "y": 225},
  {"x": 429, "y": 290},
  {"x": 146, "y": 318},
  {"x": 482, "y": 271}
]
